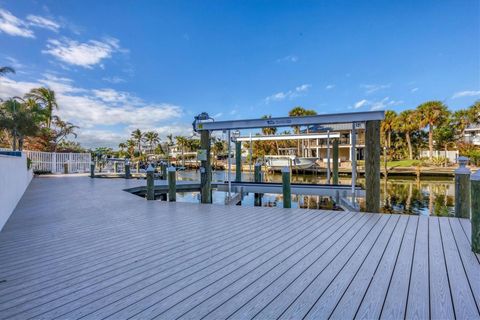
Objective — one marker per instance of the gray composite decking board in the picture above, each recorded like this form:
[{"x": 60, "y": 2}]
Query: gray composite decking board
[
  {"x": 326, "y": 303},
  {"x": 198, "y": 236},
  {"x": 83, "y": 289},
  {"x": 468, "y": 258},
  {"x": 357, "y": 250},
  {"x": 462, "y": 295},
  {"x": 252, "y": 270},
  {"x": 441, "y": 305},
  {"x": 335, "y": 257},
  {"x": 152, "y": 283},
  {"x": 113, "y": 264},
  {"x": 153, "y": 295},
  {"x": 254, "y": 278},
  {"x": 84, "y": 247},
  {"x": 254, "y": 301},
  {"x": 419, "y": 308},
  {"x": 373, "y": 298},
  {"x": 351, "y": 299},
  {"x": 396, "y": 300}
]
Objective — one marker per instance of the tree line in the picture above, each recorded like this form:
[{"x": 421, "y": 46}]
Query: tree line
[{"x": 29, "y": 122}]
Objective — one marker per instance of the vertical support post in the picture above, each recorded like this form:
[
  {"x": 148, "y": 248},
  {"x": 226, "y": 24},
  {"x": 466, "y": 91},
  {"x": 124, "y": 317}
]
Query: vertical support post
[
  {"x": 353, "y": 149},
  {"x": 206, "y": 169},
  {"x": 372, "y": 165},
  {"x": 462, "y": 189},
  {"x": 127, "y": 169},
  {"x": 115, "y": 166},
  {"x": 475, "y": 219},
  {"x": 150, "y": 183},
  {"x": 65, "y": 168},
  {"x": 335, "y": 161},
  {"x": 251, "y": 154},
  {"x": 287, "y": 191},
  {"x": 229, "y": 162},
  {"x": 328, "y": 157},
  {"x": 164, "y": 171},
  {"x": 238, "y": 161},
  {"x": 257, "y": 178},
  {"x": 172, "y": 184},
  {"x": 92, "y": 169},
  {"x": 138, "y": 166}
]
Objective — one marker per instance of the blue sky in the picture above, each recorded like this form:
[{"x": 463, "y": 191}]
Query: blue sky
[{"x": 119, "y": 65}]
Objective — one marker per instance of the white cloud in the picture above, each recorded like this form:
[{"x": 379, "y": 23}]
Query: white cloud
[
  {"x": 99, "y": 107},
  {"x": 383, "y": 104},
  {"x": 360, "y": 104},
  {"x": 468, "y": 93},
  {"x": 414, "y": 90},
  {"x": 113, "y": 79},
  {"x": 329, "y": 87},
  {"x": 376, "y": 104},
  {"x": 371, "y": 88},
  {"x": 279, "y": 96},
  {"x": 289, "y": 58},
  {"x": 14, "y": 26},
  {"x": 42, "y": 22},
  {"x": 86, "y": 54}
]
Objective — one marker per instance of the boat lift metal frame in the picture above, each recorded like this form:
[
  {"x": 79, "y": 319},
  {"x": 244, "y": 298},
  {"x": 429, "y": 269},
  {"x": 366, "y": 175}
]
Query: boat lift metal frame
[{"x": 204, "y": 124}]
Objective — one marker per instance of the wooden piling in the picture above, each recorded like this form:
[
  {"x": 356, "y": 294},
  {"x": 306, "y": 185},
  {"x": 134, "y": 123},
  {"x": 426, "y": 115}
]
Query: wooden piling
[
  {"x": 238, "y": 161},
  {"x": 128, "y": 175},
  {"x": 172, "y": 184},
  {"x": 475, "y": 213},
  {"x": 164, "y": 170},
  {"x": 372, "y": 166},
  {"x": 287, "y": 191},
  {"x": 138, "y": 166},
  {"x": 115, "y": 166},
  {"x": 206, "y": 168},
  {"x": 462, "y": 189},
  {"x": 335, "y": 161},
  {"x": 92, "y": 169},
  {"x": 257, "y": 178},
  {"x": 150, "y": 183}
]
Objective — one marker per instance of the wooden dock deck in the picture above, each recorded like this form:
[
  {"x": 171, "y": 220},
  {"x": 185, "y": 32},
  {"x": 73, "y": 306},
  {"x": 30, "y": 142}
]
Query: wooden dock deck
[{"x": 82, "y": 248}]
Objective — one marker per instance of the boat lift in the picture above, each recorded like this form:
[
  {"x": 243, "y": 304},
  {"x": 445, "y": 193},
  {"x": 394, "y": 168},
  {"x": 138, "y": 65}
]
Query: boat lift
[{"x": 204, "y": 124}]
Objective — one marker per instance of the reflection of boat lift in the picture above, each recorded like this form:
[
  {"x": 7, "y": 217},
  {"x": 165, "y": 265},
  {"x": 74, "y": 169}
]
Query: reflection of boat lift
[{"x": 204, "y": 124}]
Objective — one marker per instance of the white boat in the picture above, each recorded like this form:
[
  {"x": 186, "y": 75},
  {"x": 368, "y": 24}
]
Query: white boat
[{"x": 279, "y": 162}]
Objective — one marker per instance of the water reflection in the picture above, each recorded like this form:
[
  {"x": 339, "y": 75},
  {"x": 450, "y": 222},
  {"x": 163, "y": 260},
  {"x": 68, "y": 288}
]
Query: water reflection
[{"x": 405, "y": 195}]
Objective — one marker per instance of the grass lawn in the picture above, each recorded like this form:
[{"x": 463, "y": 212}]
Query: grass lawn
[{"x": 402, "y": 163}]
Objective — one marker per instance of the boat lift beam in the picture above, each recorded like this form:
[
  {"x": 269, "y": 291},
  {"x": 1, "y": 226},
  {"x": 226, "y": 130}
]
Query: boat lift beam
[{"x": 199, "y": 125}]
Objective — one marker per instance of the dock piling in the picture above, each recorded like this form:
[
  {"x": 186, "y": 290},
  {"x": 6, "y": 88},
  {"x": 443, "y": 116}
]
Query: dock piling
[
  {"x": 127, "y": 169},
  {"x": 163, "y": 167},
  {"x": 92, "y": 169},
  {"x": 206, "y": 168},
  {"x": 462, "y": 189},
  {"x": 475, "y": 217},
  {"x": 372, "y": 166},
  {"x": 287, "y": 191},
  {"x": 138, "y": 166},
  {"x": 115, "y": 166},
  {"x": 150, "y": 183},
  {"x": 238, "y": 161},
  {"x": 172, "y": 184},
  {"x": 335, "y": 161},
  {"x": 257, "y": 176}
]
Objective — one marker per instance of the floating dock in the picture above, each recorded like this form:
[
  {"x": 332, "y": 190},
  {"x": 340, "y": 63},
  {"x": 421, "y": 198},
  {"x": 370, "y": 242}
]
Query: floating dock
[{"x": 79, "y": 247}]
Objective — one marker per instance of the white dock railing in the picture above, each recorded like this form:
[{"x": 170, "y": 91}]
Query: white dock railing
[{"x": 54, "y": 161}]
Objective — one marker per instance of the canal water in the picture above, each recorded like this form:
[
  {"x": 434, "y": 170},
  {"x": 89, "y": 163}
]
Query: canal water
[{"x": 404, "y": 195}]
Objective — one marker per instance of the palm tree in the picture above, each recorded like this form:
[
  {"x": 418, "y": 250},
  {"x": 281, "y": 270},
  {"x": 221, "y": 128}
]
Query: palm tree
[
  {"x": 170, "y": 143},
  {"x": 406, "y": 123},
  {"x": 20, "y": 120},
  {"x": 137, "y": 135},
  {"x": 301, "y": 112},
  {"x": 152, "y": 138},
  {"x": 63, "y": 130},
  {"x": 270, "y": 131},
  {"x": 5, "y": 70},
  {"x": 122, "y": 146},
  {"x": 432, "y": 114},
  {"x": 46, "y": 97},
  {"x": 182, "y": 142},
  {"x": 131, "y": 144}
]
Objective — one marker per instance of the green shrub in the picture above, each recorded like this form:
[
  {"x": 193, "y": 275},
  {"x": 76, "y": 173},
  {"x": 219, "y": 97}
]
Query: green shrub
[{"x": 29, "y": 163}]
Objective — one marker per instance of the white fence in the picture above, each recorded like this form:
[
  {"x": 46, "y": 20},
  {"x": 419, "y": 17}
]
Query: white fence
[
  {"x": 451, "y": 155},
  {"x": 54, "y": 162}
]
